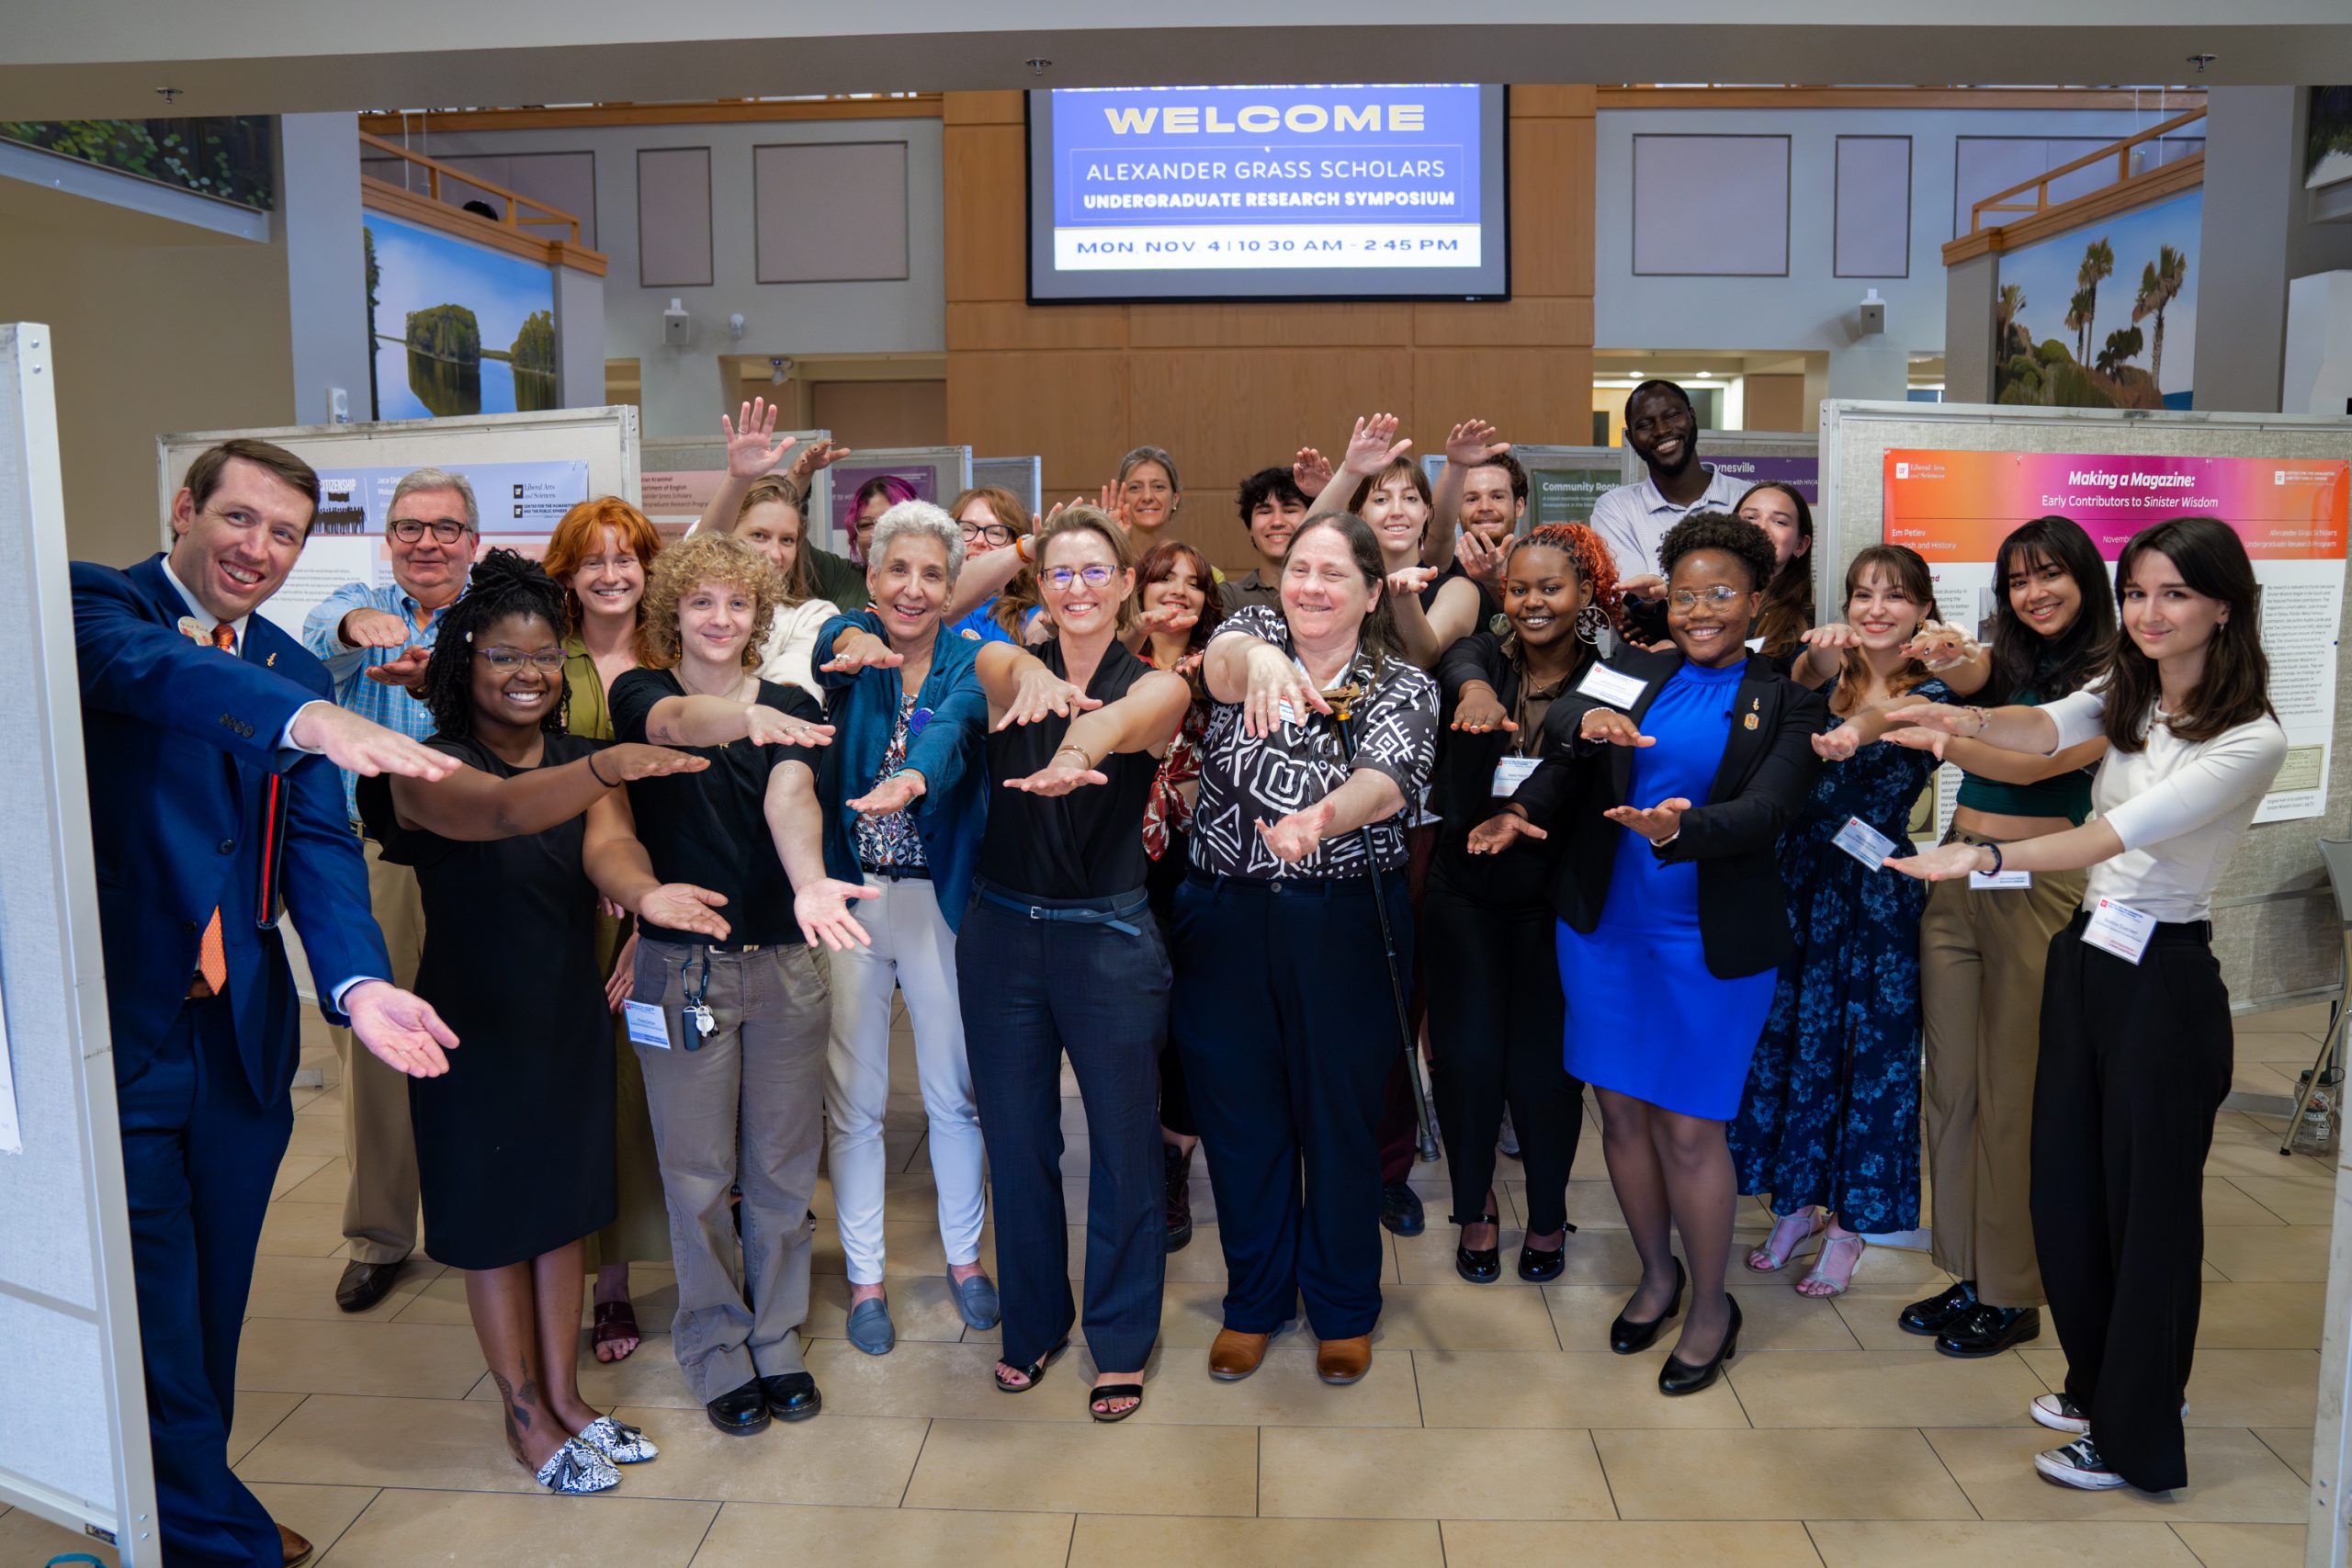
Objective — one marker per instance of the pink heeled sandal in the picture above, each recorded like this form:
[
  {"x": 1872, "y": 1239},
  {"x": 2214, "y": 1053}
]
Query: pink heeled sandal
[
  {"x": 1792, "y": 1232},
  {"x": 1827, "y": 1278}
]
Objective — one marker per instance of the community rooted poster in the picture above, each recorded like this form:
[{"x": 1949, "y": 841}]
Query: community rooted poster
[
  {"x": 1955, "y": 508},
  {"x": 520, "y": 504}
]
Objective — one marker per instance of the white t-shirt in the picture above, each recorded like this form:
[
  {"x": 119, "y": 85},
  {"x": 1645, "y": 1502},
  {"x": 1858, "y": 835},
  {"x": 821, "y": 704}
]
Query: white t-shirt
[
  {"x": 1631, "y": 519},
  {"x": 2179, "y": 807},
  {"x": 792, "y": 638}
]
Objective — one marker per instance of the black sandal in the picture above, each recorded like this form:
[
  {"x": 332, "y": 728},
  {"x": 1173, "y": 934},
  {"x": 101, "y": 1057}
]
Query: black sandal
[
  {"x": 1033, "y": 1372},
  {"x": 1108, "y": 1391}
]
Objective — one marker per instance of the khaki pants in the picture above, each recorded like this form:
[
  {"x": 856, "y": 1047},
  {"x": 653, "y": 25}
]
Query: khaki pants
[
  {"x": 380, "y": 1206},
  {"x": 745, "y": 1105},
  {"x": 1981, "y": 960}
]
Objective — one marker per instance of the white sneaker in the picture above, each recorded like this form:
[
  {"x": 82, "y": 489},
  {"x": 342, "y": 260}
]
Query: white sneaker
[
  {"x": 2078, "y": 1465},
  {"x": 2061, "y": 1414}
]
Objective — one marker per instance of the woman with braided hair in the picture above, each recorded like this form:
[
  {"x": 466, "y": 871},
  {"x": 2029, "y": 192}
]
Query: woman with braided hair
[
  {"x": 514, "y": 1151},
  {"x": 1495, "y": 1012}
]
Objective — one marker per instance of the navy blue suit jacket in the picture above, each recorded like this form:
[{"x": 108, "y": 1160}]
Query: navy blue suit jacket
[{"x": 180, "y": 742}]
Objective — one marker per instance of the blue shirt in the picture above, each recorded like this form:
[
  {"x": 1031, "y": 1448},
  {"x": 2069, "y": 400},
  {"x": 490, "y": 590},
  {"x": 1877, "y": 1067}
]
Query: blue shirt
[
  {"x": 347, "y": 667},
  {"x": 980, "y": 625}
]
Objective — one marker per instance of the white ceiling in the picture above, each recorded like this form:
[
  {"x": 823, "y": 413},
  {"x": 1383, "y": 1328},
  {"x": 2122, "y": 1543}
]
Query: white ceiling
[{"x": 107, "y": 57}]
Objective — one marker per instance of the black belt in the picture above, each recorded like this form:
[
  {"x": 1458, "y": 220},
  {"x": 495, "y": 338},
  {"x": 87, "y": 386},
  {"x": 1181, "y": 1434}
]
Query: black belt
[
  {"x": 1117, "y": 911},
  {"x": 1284, "y": 887},
  {"x": 897, "y": 873}
]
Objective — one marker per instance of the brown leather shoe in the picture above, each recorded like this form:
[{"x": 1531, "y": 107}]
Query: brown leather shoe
[
  {"x": 1343, "y": 1361},
  {"x": 1236, "y": 1355},
  {"x": 365, "y": 1284},
  {"x": 297, "y": 1550}
]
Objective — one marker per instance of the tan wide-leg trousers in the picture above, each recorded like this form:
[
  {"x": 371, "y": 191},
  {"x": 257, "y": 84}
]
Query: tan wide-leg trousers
[{"x": 1980, "y": 959}]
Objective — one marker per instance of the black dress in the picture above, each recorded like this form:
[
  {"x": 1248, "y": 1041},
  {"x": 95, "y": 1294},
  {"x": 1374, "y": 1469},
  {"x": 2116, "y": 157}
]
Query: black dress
[{"x": 515, "y": 1142}]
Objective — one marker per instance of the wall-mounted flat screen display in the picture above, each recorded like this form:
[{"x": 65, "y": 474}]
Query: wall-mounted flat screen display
[{"x": 1363, "y": 192}]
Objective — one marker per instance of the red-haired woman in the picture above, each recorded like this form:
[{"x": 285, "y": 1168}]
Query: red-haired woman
[
  {"x": 600, "y": 553},
  {"x": 1177, "y": 588},
  {"x": 1495, "y": 1012}
]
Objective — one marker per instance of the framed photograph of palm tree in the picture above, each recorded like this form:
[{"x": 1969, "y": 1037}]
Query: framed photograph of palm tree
[{"x": 2103, "y": 317}]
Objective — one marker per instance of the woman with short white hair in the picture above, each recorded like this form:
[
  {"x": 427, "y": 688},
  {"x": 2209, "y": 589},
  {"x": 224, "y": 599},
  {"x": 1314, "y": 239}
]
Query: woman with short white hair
[{"x": 904, "y": 810}]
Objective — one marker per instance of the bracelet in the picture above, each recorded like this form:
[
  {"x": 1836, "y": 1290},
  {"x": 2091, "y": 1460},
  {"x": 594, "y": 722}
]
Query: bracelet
[
  {"x": 1021, "y": 549},
  {"x": 1984, "y": 719},
  {"x": 1995, "y": 871},
  {"x": 1078, "y": 751},
  {"x": 593, "y": 773}
]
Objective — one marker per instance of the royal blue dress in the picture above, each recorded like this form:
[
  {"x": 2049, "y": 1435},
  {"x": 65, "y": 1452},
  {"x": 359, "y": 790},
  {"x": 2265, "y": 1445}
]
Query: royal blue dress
[
  {"x": 1644, "y": 1017},
  {"x": 1831, "y": 1115}
]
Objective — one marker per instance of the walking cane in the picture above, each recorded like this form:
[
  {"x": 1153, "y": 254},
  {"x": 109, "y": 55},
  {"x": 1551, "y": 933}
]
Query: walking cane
[{"x": 1342, "y": 699}]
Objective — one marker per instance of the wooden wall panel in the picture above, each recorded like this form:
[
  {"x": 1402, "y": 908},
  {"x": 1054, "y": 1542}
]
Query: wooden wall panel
[{"x": 1231, "y": 388}]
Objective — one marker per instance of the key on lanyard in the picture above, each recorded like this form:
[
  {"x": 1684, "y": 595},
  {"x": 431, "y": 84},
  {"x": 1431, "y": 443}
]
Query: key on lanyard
[{"x": 697, "y": 1011}]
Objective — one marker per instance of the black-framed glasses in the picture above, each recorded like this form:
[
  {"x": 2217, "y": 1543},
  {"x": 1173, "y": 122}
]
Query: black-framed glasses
[
  {"x": 446, "y": 530},
  {"x": 511, "y": 659},
  {"x": 1720, "y": 595},
  {"x": 1094, "y": 576},
  {"x": 994, "y": 533}
]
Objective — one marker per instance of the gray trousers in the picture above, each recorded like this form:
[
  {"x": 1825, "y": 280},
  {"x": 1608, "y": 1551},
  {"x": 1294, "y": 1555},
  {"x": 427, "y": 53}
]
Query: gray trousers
[{"x": 746, "y": 1105}]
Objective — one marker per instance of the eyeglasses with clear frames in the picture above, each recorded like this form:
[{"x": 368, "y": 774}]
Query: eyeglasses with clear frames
[
  {"x": 1720, "y": 595},
  {"x": 1094, "y": 576},
  {"x": 409, "y": 530},
  {"x": 510, "y": 659}
]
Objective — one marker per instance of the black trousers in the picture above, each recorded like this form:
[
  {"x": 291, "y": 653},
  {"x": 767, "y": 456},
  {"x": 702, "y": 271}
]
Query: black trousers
[
  {"x": 1287, "y": 1026},
  {"x": 2135, "y": 1062},
  {"x": 1162, "y": 878},
  {"x": 1495, "y": 1018},
  {"x": 1031, "y": 991}
]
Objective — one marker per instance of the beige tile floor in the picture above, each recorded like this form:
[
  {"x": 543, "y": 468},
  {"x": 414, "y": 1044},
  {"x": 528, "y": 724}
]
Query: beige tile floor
[{"x": 1835, "y": 1441}]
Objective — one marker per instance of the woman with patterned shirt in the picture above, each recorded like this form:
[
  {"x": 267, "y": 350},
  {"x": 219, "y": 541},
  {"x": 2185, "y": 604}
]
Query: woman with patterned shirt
[{"x": 1286, "y": 1036}]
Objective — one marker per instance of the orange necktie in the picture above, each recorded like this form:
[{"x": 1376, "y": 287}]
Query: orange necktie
[{"x": 211, "y": 961}]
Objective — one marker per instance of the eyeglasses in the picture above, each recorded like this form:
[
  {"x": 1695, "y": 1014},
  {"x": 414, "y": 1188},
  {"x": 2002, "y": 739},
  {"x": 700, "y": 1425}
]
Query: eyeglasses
[
  {"x": 1095, "y": 576},
  {"x": 994, "y": 533},
  {"x": 1720, "y": 595},
  {"x": 409, "y": 530},
  {"x": 546, "y": 658}
]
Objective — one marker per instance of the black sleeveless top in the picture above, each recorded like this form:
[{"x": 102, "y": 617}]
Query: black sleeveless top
[{"x": 1085, "y": 844}]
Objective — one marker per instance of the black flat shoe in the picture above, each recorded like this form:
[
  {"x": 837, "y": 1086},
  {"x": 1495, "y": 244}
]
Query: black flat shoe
[
  {"x": 1176, "y": 1175},
  {"x": 1400, "y": 1208},
  {"x": 1629, "y": 1339},
  {"x": 792, "y": 1397},
  {"x": 1538, "y": 1266},
  {"x": 1479, "y": 1265},
  {"x": 1678, "y": 1378},
  {"x": 740, "y": 1412},
  {"x": 1931, "y": 1315},
  {"x": 1987, "y": 1330}
]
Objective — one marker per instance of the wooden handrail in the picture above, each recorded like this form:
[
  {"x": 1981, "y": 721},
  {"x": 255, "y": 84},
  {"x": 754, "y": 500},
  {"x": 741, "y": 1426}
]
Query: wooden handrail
[
  {"x": 512, "y": 218},
  {"x": 2039, "y": 184}
]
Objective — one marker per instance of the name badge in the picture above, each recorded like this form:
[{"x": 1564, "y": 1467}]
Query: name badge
[
  {"x": 1511, "y": 772},
  {"x": 1999, "y": 881},
  {"x": 1864, "y": 843},
  {"x": 1613, "y": 687},
  {"x": 647, "y": 1025},
  {"x": 2120, "y": 930}
]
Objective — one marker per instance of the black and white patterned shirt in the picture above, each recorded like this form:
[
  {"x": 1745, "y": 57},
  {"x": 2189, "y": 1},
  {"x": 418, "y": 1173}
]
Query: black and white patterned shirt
[{"x": 1245, "y": 782}]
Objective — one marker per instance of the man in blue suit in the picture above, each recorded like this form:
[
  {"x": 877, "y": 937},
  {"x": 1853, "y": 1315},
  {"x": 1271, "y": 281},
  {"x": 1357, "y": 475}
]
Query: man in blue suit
[{"x": 212, "y": 742}]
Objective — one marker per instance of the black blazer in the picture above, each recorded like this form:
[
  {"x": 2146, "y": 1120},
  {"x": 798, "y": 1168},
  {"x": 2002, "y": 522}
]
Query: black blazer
[{"x": 1759, "y": 788}]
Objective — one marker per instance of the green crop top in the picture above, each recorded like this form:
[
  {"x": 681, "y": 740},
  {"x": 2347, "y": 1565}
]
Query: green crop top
[{"x": 2064, "y": 795}]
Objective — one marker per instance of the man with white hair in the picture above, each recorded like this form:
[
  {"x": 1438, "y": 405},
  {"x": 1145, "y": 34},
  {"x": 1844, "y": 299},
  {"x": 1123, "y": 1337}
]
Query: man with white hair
[{"x": 374, "y": 642}]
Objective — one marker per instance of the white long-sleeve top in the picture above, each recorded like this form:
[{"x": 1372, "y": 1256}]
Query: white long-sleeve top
[
  {"x": 2179, "y": 807},
  {"x": 792, "y": 638}
]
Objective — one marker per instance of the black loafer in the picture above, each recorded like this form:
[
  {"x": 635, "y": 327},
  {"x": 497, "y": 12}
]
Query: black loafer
[
  {"x": 1933, "y": 1315},
  {"x": 1629, "y": 1339},
  {"x": 1400, "y": 1208},
  {"x": 740, "y": 1412},
  {"x": 792, "y": 1397},
  {"x": 1987, "y": 1330},
  {"x": 1537, "y": 1266},
  {"x": 1479, "y": 1265},
  {"x": 365, "y": 1284}
]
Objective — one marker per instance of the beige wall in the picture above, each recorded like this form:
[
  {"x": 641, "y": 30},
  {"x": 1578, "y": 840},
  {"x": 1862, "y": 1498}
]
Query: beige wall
[{"x": 151, "y": 334}]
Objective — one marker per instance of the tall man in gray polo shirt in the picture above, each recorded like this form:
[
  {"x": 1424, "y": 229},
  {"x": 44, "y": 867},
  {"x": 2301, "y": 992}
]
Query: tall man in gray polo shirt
[{"x": 1662, "y": 431}]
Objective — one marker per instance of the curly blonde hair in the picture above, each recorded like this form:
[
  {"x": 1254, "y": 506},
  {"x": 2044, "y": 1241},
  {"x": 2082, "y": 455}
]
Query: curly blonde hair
[{"x": 719, "y": 558}]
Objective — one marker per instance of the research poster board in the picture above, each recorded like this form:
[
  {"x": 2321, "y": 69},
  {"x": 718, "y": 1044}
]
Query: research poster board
[
  {"x": 1955, "y": 507},
  {"x": 74, "y": 1446},
  {"x": 682, "y": 475},
  {"x": 1025, "y": 477},
  {"x": 2276, "y": 933},
  {"x": 526, "y": 471}
]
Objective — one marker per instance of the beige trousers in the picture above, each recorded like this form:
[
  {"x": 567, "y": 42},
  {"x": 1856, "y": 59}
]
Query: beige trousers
[
  {"x": 1980, "y": 959},
  {"x": 379, "y": 1214}
]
